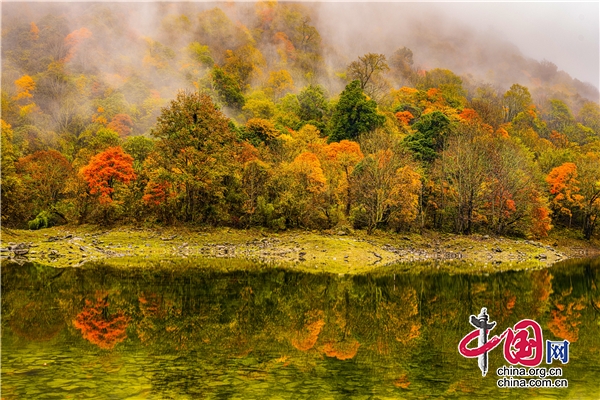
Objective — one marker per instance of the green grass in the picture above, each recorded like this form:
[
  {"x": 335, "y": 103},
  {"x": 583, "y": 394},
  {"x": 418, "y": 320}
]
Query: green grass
[{"x": 303, "y": 250}]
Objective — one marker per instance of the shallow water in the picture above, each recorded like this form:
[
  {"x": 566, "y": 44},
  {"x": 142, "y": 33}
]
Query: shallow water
[{"x": 178, "y": 333}]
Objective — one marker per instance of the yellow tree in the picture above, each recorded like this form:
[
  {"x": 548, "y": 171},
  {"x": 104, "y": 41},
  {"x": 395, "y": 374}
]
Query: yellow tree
[
  {"x": 343, "y": 157},
  {"x": 386, "y": 189},
  {"x": 564, "y": 189},
  {"x": 589, "y": 179},
  {"x": 279, "y": 83}
]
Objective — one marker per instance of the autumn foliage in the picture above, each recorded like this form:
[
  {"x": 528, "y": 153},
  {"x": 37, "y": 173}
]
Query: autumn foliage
[
  {"x": 98, "y": 326},
  {"x": 564, "y": 188},
  {"x": 105, "y": 170},
  {"x": 249, "y": 119},
  {"x": 122, "y": 124}
]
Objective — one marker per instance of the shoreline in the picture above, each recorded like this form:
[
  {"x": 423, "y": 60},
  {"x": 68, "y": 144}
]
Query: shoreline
[{"x": 341, "y": 252}]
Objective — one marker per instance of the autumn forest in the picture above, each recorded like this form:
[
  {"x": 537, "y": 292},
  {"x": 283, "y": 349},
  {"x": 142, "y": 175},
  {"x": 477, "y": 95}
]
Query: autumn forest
[{"x": 247, "y": 115}]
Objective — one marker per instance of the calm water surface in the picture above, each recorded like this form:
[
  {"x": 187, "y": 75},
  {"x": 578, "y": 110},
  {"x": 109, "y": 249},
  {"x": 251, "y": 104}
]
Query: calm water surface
[{"x": 191, "y": 333}]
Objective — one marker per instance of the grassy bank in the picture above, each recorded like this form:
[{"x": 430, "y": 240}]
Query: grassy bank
[{"x": 311, "y": 251}]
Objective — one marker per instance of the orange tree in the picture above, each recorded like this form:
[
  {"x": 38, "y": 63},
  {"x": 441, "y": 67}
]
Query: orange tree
[{"x": 105, "y": 170}]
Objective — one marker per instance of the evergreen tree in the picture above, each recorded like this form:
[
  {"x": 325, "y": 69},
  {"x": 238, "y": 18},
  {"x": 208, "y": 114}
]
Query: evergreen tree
[{"x": 354, "y": 114}]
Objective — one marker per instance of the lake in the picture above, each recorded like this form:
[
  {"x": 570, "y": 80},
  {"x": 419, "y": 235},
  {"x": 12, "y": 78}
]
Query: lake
[{"x": 191, "y": 330}]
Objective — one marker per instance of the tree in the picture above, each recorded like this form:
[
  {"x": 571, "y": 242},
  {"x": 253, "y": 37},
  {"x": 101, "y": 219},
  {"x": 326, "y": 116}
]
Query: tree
[
  {"x": 200, "y": 54},
  {"x": 44, "y": 174},
  {"x": 243, "y": 63},
  {"x": 194, "y": 153},
  {"x": 517, "y": 99},
  {"x": 513, "y": 197},
  {"x": 122, "y": 124},
  {"x": 368, "y": 70},
  {"x": 296, "y": 194},
  {"x": 564, "y": 188},
  {"x": 139, "y": 147},
  {"x": 464, "y": 171},
  {"x": 345, "y": 155},
  {"x": 354, "y": 114},
  {"x": 589, "y": 116},
  {"x": 430, "y": 133},
  {"x": 228, "y": 88},
  {"x": 12, "y": 191},
  {"x": 313, "y": 103},
  {"x": 386, "y": 190},
  {"x": 588, "y": 168},
  {"x": 260, "y": 129},
  {"x": 25, "y": 85},
  {"x": 488, "y": 105},
  {"x": 402, "y": 64},
  {"x": 255, "y": 176},
  {"x": 447, "y": 82},
  {"x": 279, "y": 83},
  {"x": 107, "y": 169},
  {"x": 560, "y": 117}
]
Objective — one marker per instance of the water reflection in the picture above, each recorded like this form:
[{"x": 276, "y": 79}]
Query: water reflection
[{"x": 182, "y": 332}]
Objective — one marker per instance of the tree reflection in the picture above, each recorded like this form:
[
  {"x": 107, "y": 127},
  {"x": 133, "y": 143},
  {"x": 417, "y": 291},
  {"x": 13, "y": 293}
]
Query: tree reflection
[
  {"x": 399, "y": 331},
  {"x": 98, "y": 326}
]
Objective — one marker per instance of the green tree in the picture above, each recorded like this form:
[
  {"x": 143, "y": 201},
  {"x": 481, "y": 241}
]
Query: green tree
[
  {"x": 428, "y": 138},
  {"x": 228, "y": 88},
  {"x": 11, "y": 187},
  {"x": 354, "y": 114},
  {"x": 195, "y": 154},
  {"x": 313, "y": 103},
  {"x": 517, "y": 99}
]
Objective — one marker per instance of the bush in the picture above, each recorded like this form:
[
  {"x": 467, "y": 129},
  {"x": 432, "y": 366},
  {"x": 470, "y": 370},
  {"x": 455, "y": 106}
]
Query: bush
[{"x": 45, "y": 219}]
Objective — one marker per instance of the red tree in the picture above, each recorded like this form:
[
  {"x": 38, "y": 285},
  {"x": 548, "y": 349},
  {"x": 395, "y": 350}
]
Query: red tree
[
  {"x": 105, "y": 169},
  {"x": 122, "y": 124}
]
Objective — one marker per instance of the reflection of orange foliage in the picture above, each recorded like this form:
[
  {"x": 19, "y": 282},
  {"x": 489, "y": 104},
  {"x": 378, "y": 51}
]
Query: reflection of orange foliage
[
  {"x": 403, "y": 318},
  {"x": 464, "y": 386},
  {"x": 307, "y": 338},
  {"x": 150, "y": 305},
  {"x": 341, "y": 350},
  {"x": 542, "y": 288},
  {"x": 510, "y": 303},
  {"x": 100, "y": 328},
  {"x": 564, "y": 321},
  {"x": 402, "y": 382}
]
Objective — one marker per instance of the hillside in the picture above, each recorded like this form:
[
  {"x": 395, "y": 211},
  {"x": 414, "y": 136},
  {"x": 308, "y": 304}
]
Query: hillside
[{"x": 258, "y": 115}]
